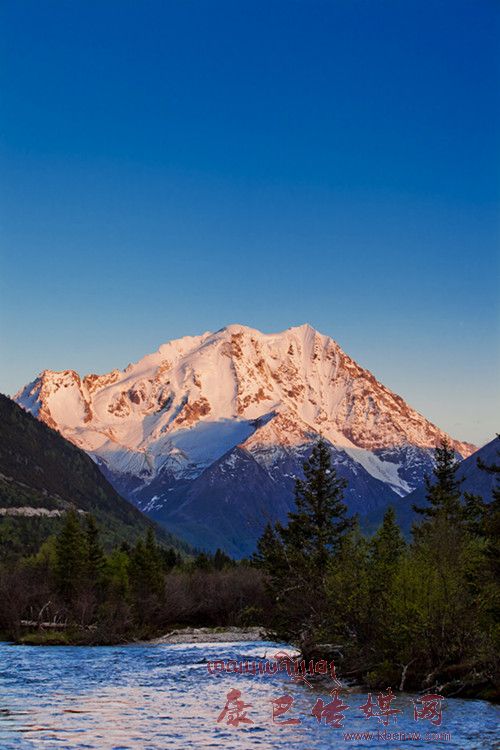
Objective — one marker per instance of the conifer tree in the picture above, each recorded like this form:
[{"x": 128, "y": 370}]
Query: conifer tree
[
  {"x": 444, "y": 493},
  {"x": 146, "y": 578},
  {"x": 95, "y": 560},
  {"x": 484, "y": 517},
  {"x": 203, "y": 561},
  {"x": 491, "y": 516},
  {"x": 269, "y": 553},
  {"x": 490, "y": 523},
  {"x": 154, "y": 563},
  {"x": 445, "y": 553},
  {"x": 221, "y": 560},
  {"x": 70, "y": 556},
  {"x": 316, "y": 528},
  {"x": 169, "y": 558},
  {"x": 296, "y": 557},
  {"x": 387, "y": 546}
]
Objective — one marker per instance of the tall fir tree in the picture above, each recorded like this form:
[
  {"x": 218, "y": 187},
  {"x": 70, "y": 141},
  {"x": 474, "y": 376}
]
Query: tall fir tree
[
  {"x": 387, "y": 546},
  {"x": 315, "y": 529},
  {"x": 95, "y": 560},
  {"x": 443, "y": 491},
  {"x": 491, "y": 516},
  {"x": 222, "y": 560},
  {"x": 296, "y": 557},
  {"x": 386, "y": 551},
  {"x": 154, "y": 565},
  {"x": 269, "y": 554},
  {"x": 70, "y": 557},
  {"x": 444, "y": 550},
  {"x": 146, "y": 579},
  {"x": 483, "y": 519}
]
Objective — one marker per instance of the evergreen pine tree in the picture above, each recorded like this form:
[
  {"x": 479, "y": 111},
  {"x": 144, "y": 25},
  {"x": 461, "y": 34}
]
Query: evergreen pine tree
[
  {"x": 221, "y": 560},
  {"x": 169, "y": 558},
  {"x": 387, "y": 546},
  {"x": 269, "y": 553},
  {"x": 491, "y": 522},
  {"x": 490, "y": 519},
  {"x": 296, "y": 557},
  {"x": 146, "y": 579},
  {"x": 445, "y": 552},
  {"x": 444, "y": 493},
  {"x": 95, "y": 560},
  {"x": 483, "y": 522},
  {"x": 316, "y": 528},
  {"x": 70, "y": 557},
  {"x": 203, "y": 561},
  {"x": 152, "y": 573}
]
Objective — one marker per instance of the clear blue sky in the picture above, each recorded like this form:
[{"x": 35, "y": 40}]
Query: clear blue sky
[{"x": 168, "y": 168}]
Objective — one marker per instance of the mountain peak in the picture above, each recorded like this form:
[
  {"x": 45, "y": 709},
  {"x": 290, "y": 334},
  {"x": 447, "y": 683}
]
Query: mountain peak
[
  {"x": 304, "y": 328},
  {"x": 237, "y": 328}
]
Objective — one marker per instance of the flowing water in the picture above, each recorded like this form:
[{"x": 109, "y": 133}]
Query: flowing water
[{"x": 162, "y": 697}]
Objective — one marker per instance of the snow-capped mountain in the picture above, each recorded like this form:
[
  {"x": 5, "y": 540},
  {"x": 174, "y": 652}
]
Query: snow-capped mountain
[{"x": 208, "y": 432}]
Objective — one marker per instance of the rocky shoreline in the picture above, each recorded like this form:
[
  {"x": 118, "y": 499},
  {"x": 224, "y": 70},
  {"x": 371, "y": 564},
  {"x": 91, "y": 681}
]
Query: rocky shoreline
[{"x": 211, "y": 635}]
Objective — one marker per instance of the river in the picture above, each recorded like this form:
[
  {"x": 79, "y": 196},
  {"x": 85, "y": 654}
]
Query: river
[{"x": 162, "y": 697}]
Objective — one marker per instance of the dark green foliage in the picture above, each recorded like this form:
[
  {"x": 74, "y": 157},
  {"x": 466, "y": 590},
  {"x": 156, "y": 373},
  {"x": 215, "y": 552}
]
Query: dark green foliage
[
  {"x": 202, "y": 561},
  {"x": 269, "y": 554},
  {"x": 21, "y": 536},
  {"x": 169, "y": 558},
  {"x": 422, "y": 615},
  {"x": 130, "y": 592},
  {"x": 436, "y": 620},
  {"x": 484, "y": 520},
  {"x": 386, "y": 550},
  {"x": 146, "y": 580}
]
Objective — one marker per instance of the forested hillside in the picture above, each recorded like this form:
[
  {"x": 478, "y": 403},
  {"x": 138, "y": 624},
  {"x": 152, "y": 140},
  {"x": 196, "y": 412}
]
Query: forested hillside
[{"x": 42, "y": 475}]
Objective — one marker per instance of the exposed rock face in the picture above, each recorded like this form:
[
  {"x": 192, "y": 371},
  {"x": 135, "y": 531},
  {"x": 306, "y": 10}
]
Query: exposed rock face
[{"x": 164, "y": 429}]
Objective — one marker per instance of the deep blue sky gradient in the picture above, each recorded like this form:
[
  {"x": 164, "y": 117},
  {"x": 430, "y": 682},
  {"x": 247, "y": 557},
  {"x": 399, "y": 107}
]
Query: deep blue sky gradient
[{"x": 168, "y": 168}]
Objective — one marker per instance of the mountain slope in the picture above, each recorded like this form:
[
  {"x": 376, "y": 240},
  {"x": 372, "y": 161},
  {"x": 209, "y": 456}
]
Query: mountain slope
[
  {"x": 42, "y": 475},
  {"x": 229, "y": 504},
  {"x": 156, "y": 427}
]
